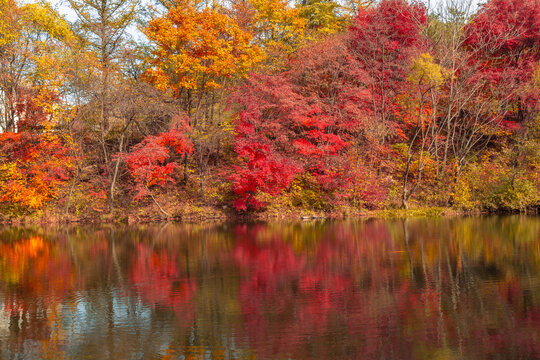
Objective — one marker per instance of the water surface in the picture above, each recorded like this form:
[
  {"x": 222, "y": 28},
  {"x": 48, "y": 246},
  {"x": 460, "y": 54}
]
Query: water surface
[{"x": 460, "y": 288}]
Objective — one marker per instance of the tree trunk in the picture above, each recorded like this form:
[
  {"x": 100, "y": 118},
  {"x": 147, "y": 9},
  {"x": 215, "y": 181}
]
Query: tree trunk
[
  {"x": 157, "y": 204},
  {"x": 115, "y": 175},
  {"x": 185, "y": 180},
  {"x": 404, "y": 203}
]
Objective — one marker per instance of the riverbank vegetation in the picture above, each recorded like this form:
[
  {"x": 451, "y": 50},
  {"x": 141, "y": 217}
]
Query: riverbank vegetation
[{"x": 128, "y": 108}]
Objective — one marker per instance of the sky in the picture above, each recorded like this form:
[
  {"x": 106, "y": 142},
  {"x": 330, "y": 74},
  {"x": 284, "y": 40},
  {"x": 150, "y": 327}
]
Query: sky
[{"x": 64, "y": 9}]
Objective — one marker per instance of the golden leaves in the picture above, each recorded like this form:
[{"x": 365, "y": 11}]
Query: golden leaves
[
  {"x": 197, "y": 49},
  {"x": 424, "y": 71}
]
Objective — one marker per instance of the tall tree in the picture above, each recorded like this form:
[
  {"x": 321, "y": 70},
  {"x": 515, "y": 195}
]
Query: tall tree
[
  {"x": 32, "y": 37},
  {"x": 300, "y": 123},
  {"x": 103, "y": 24},
  {"x": 34, "y": 153},
  {"x": 418, "y": 110},
  {"x": 197, "y": 53},
  {"x": 385, "y": 38}
]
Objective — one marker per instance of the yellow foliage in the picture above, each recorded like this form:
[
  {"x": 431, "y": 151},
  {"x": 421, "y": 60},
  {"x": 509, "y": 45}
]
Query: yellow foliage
[
  {"x": 34, "y": 38},
  {"x": 424, "y": 71},
  {"x": 45, "y": 18},
  {"x": 198, "y": 49},
  {"x": 536, "y": 76},
  {"x": 7, "y": 30},
  {"x": 323, "y": 16},
  {"x": 276, "y": 24}
]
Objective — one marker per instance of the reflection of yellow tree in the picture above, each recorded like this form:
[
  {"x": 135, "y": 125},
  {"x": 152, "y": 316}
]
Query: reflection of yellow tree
[
  {"x": 52, "y": 346},
  {"x": 33, "y": 267},
  {"x": 16, "y": 258}
]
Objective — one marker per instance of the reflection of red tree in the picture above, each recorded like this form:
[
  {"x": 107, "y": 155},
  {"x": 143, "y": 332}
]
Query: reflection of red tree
[
  {"x": 158, "y": 281},
  {"x": 354, "y": 290},
  {"x": 525, "y": 321},
  {"x": 270, "y": 267},
  {"x": 283, "y": 284},
  {"x": 36, "y": 268}
]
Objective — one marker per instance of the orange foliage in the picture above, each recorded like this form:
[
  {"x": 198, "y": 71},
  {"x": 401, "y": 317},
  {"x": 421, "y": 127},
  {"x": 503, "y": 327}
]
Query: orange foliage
[
  {"x": 35, "y": 161},
  {"x": 198, "y": 48}
]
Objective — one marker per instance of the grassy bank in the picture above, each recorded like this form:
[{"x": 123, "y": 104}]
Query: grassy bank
[{"x": 193, "y": 214}]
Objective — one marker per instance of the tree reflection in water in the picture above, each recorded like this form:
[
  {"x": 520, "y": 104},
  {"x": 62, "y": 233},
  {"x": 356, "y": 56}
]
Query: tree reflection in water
[{"x": 462, "y": 288}]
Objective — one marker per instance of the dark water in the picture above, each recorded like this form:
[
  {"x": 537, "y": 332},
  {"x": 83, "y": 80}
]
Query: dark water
[{"x": 464, "y": 288}]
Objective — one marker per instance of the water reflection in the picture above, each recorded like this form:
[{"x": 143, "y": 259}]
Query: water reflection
[{"x": 464, "y": 288}]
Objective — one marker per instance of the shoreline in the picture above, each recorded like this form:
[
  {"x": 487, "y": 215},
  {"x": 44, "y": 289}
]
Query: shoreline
[{"x": 229, "y": 216}]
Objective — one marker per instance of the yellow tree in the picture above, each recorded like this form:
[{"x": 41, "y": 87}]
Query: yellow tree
[
  {"x": 8, "y": 10},
  {"x": 323, "y": 17},
  {"x": 277, "y": 24},
  {"x": 30, "y": 35},
  {"x": 33, "y": 150},
  {"x": 277, "y": 27},
  {"x": 418, "y": 110},
  {"x": 198, "y": 49}
]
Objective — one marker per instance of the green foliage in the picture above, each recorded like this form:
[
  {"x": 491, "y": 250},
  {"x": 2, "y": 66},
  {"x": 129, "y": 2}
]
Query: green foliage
[
  {"x": 492, "y": 185},
  {"x": 511, "y": 194},
  {"x": 306, "y": 193},
  {"x": 322, "y": 16}
]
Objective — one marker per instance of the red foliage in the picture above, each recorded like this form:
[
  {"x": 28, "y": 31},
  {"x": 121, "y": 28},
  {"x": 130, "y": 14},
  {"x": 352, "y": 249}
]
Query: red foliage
[
  {"x": 149, "y": 161},
  {"x": 384, "y": 38},
  {"x": 504, "y": 37},
  {"x": 301, "y": 121},
  {"x": 35, "y": 161},
  {"x": 327, "y": 108},
  {"x": 512, "y": 27},
  {"x": 157, "y": 279},
  {"x": 264, "y": 171}
]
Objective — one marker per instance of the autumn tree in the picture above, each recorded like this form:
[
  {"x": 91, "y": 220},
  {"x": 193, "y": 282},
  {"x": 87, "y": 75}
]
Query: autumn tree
[
  {"x": 322, "y": 16},
  {"x": 384, "y": 39},
  {"x": 35, "y": 162},
  {"x": 300, "y": 123},
  {"x": 149, "y": 162},
  {"x": 480, "y": 99},
  {"x": 102, "y": 25},
  {"x": 32, "y": 38},
  {"x": 419, "y": 113},
  {"x": 277, "y": 28},
  {"x": 34, "y": 153},
  {"x": 197, "y": 53}
]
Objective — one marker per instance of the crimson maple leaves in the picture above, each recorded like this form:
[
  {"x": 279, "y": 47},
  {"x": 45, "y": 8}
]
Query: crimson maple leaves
[
  {"x": 149, "y": 161},
  {"x": 374, "y": 109},
  {"x": 320, "y": 118},
  {"x": 299, "y": 122}
]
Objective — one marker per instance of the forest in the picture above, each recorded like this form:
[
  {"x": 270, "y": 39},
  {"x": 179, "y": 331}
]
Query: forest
[{"x": 126, "y": 109}]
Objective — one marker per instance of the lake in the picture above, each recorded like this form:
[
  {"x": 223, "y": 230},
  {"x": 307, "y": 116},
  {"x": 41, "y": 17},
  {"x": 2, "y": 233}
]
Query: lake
[{"x": 440, "y": 288}]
